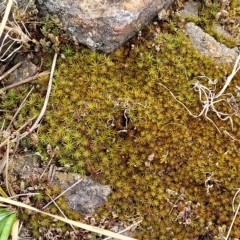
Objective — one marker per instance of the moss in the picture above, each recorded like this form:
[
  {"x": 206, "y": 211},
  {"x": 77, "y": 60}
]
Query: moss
[{"x": 108, "y": 115}]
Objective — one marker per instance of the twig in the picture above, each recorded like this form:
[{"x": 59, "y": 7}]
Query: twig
[
  {"x": 18, "y": 30},
  {"x": 19, "y": 108},
  {"x": 235, "y": 215},
  {"x": 36, "y": 124},
  {"x": 63, "y": 192},
  {"x": 17, "y": 131},
  {"x": 23, "y": 195},
  {"x": 26, "y": 80},
  {"x": 5, "y": 17},
  {"x": 11, "y": 70},
  {"x": 8, "y": 186},
  {"x": 230, "y": 77},
  {"x": 46, "y": 168},
  {"x": 60, "y": 210},
  {"x": 23, "y": 126},
  {"x": 126, "y": 229}
]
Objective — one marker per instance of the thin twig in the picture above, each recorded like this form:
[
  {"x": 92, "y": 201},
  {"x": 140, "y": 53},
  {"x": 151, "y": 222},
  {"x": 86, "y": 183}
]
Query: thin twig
[
  {"x": 20, "y": 107},
  {"x": 126, "y": 229},
  {"x": 234, "y": 218},
  {"x": 23, "y": 195},
  {"x": 230, "y": 77},
  {"x": 26, "y": 80},
  {"x": 63, "y": 193},
  {"x": 36, "y": 124},
  {"x": 234, "y": 198},
  {"x": 11, "y": 70},
  {"x": 5, "y": 17},
  {"x": 46, "y": 168},
  {"x": 17, "y": 131},
  {"x": 60, "y": 210}
]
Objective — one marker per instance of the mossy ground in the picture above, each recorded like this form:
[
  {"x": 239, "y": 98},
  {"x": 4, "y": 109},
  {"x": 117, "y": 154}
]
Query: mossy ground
[{"x": 112, "y": 121}]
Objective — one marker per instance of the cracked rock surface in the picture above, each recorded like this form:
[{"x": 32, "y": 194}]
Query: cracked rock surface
[
  {"x": 208, "y": 46},
  {"x": 103, "y": 25}
]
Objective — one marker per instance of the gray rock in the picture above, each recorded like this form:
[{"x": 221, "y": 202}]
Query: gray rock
[
  {"x": 26, "y": 70},
  {"x": 220, "y": 29},
  {"x": 190, "y": 9},
  {"x": 103, "y": 24},
  {"x": 25, "y": 167},
  {"x": 208, "y": 46},
  {"x": 85, "y": 196}
]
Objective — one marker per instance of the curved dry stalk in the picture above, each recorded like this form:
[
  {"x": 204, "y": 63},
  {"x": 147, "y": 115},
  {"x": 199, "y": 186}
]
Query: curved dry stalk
[
  {"x": 17, "y": 30},
  {"x": 236, "y": 68},
  {"x": 208, "y": 99},
  {"x": 11, "y": 34},
  {"x": 178, "y": 100},
  {"x": 235, "y": 215}
]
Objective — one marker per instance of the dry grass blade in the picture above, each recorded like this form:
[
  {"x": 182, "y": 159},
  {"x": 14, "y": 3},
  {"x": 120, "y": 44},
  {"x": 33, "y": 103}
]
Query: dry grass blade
[
  {"x": 230, "y": 77},
  {"x": 2, "y": 193},
  {"x": 63, "y": 192},
  {"x": 15, "y": 230},
  {"x": 74, "y": 223},
  {"x": 5, "y": 17},
  {"x": 26, "y": 80},
  {"x": 8, "y": 185},
  {"x": 234, "y": 218},
  {"x": 60, "y": 210},
  {"x": 11, "y": 70},
  {"x": 126, "y": 229},
  {"x": 36, "y": 124},
  {"x": 20, "y": 107}
]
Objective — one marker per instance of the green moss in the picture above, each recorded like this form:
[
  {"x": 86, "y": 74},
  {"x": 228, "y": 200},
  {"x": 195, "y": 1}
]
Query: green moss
[{"x": 108, "y": 115}]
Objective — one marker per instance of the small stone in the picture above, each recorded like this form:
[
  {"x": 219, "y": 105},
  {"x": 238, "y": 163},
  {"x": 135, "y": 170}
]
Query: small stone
[
  {"x": 190, "y": 9},
  {"x": 207, "y": 45}
]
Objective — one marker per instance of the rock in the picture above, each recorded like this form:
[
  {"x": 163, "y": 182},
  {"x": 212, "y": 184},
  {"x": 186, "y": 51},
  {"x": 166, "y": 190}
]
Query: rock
[
  {"x": 190, "y": 9},
  {"x": 26, "y": 70},
  {"x": 208, "y": 46},
  {"x": 220, "y": 29},
  {"x": 85, "y": 196},
  {"x": 103, "y": 25},
  {"x": 25, "y": 167}
]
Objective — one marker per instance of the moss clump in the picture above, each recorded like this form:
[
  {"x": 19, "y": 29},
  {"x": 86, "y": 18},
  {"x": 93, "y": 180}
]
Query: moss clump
[{"x": 112, "y": 120}]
